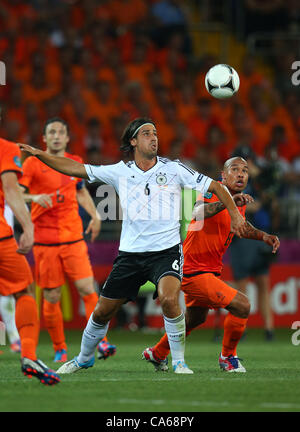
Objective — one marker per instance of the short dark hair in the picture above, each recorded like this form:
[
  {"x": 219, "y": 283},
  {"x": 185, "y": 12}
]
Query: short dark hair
[
  {"x": 228, "y": 162},
  {"x": 129, "y": 133},
  {"x": 53, "y": 120}
]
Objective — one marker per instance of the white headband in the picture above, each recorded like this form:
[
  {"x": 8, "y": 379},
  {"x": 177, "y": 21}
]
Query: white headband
[{"x": 136, "y": 131}]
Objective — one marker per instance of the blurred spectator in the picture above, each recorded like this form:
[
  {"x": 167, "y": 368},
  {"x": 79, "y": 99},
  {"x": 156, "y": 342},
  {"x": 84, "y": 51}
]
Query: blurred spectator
[
  {"x": 251, "y": 258},
  {"x": 265, "y": 16},
  {"x": 294, "y": 181},
  {"x": 133, "y": 98},
  {"x": 183, "y": 146},
  {"x": 126, "y": 13},
  {"x": 293, "y": 12},
  {"x": 101, "y": 102},
  {"x": 292, "y": 105},
  {"x": 38, "y": 90},
  {"x": 285, "y": 149},
  {"x": 249, "y": 76},
  {"x": 185, "y": 100},
  {"x": 216, "y": 145},
  {"x": 207, "y": 163},
  {"x": 202, "y": 120},
  {"x": 262, "y": 124},
  {"x": 13, "y": 130},
  {"x": 166, "y": 129},
  {"x": 115, "y": 60},
  {"x": 283, "y": 72},
  {"x": 92, "y": 138},
  {"x": 170, "y": 17}
]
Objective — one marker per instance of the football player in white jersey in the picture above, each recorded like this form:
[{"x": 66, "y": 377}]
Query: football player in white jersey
[{"x": 149, "y": 189}]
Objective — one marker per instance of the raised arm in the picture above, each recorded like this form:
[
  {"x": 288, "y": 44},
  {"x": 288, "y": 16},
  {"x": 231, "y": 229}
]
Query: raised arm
[
  {"x": 203, "y": 210},
  {"x": 253, "y": 233},
  {"x": 238, "y": 224},
  {"x": 59, "y": 163}
]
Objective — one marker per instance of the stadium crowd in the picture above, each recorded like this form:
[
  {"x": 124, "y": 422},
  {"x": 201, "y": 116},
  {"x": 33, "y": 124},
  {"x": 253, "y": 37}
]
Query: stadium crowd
[{"x": 98, "y": 64}]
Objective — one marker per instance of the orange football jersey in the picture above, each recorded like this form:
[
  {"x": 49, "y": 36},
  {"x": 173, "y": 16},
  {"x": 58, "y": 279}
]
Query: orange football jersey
[
  {"x": 60, "y": 223},
  {"x": 203, "y": 249},
  {"x": 9, "y": 161}
]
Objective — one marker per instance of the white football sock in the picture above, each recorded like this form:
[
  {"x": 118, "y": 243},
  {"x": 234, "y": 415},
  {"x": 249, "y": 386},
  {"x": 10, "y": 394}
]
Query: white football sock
[
  {"x": 175, "y": 329},
  {"x": 7, "y": 312},
  {"x": 92, "y": 335}
]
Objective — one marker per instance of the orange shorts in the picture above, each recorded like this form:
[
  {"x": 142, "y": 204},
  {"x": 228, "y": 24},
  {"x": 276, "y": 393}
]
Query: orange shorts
[
  {"x": 52, "y": 263},
  {"x": 207, "y": 290},
  {"x": 15, "y": 272}
]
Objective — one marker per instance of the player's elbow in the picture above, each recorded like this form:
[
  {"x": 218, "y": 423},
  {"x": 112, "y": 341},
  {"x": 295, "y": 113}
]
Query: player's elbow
[
  {"x": 216, "y": 187},
  {"x": 10, "y": 189},
  {"x": 79, "y": 170},
  {"x": 198, "y": 212}
]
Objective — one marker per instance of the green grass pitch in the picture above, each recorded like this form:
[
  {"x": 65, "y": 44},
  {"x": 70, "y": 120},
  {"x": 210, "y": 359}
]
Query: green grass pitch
[{"x": 125, "y": 383}]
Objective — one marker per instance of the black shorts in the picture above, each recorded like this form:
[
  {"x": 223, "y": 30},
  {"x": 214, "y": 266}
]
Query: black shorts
[
  {"x": 131, "y": 270},
  {"x": 250, "y": 258}
]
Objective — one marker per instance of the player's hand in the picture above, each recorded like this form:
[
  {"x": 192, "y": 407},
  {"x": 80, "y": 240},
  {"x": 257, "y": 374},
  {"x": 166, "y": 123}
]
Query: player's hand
[
  {"x": 238, "y": 225},
  {"x": 26, "y": 241},
  {"x": 27, "y": 148},
  {"x": 43, "y": 200},
  {"x": 242, "y": 199},
  {"x": 273, "y": 241},
  {"x": 94, "y": 228}
]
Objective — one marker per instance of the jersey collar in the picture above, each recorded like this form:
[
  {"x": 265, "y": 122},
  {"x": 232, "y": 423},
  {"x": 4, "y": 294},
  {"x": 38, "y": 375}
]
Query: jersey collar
[{"x": 139, "y": 170}]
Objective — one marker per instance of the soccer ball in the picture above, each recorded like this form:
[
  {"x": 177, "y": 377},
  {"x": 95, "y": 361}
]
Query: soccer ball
[{"x": 222, "y": 81}]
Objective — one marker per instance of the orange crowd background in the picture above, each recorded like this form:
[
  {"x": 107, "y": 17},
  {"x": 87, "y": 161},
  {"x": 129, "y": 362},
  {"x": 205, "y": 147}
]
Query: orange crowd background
[{"x": 98, "y": 65}]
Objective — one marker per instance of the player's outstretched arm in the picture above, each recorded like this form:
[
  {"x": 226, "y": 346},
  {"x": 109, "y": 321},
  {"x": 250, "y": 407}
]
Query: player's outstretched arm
[
  {"x": 238, "y": 224},
  {"x": 59, "y": 163},
  {"x": 204, "y": 210},
  {"x": 255, "y": 234}
]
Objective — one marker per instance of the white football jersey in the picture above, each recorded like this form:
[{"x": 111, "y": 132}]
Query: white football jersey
[{"x": 150, "y": 200}]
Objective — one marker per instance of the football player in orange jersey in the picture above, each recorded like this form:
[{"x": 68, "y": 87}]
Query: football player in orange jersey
[
  {"x": 59, "y": 246},
  {"x": 203, "y": 250},
  {"x": 15, "y": 274}
]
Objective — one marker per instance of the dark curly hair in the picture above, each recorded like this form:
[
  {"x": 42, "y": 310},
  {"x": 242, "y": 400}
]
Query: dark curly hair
[
  {"x": 53, "y": 120},
  {"x": 130, "y": 131}
]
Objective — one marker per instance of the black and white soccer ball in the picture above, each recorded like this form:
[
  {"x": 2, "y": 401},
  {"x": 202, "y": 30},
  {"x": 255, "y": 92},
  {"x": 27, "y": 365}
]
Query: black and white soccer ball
[{"x": 222, "y": 81}]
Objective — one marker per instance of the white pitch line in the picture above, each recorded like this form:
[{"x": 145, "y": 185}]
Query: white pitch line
[
  {"x": 175, "y": 402},
  {"x": 171, "y": 377},
  {"x": 279, "y": 405},
  {"x": 206, "y": 403}
]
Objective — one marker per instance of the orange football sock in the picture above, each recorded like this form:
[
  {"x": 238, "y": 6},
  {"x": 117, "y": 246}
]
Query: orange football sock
[
  {"x": 27, "y": 323},
  {"x": 90, "y": 301},
  {"x": 234, "y": 328},
  {"x": 162, "y": 348},
  {"x": 54, "y": 323}
]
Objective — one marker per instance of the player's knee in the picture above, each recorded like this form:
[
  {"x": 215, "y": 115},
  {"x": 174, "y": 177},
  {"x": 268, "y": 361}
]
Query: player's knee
[
  {"x": 169, "y": 302},
  {"x": 19, "y": 294},
  {"x": 85, "y": 286},
  {"x": 52, "y": 295},
  {"x": 244, "y": 308},
  {"x": 240, "y": 306},
  {"x": 101, "y": 318},
  {"x": 86, "y": 290},
  {"x": 102, "y": 315}
]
